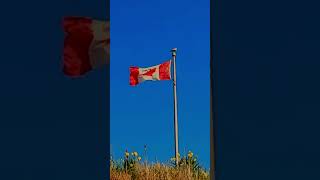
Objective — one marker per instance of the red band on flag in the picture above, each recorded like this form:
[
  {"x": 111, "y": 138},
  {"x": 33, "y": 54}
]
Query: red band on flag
[
  {"x": 76, "y": 46},
  {"x": 164, "y": 71},
  {"x": 134, "y": 73}
]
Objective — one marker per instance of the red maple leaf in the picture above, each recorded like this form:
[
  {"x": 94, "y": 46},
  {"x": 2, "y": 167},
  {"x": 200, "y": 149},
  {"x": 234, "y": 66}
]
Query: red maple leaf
[{"x": 149, "y": 72}]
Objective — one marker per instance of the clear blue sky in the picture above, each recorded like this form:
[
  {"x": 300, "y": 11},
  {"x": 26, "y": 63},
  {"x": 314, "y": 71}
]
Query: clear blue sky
[{"x": 142, "y": 34}]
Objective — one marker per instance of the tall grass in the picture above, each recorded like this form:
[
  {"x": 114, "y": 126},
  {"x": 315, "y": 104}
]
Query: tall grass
[{"x": 132, "y": 167}]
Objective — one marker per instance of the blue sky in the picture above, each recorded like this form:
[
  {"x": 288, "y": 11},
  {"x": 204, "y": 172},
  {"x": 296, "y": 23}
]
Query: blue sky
[{"x": 142, "y": 34}]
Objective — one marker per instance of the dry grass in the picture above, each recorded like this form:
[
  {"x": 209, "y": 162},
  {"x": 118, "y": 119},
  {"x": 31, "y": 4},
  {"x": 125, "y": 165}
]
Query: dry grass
[
  {"x": 158, "y": 172},
  {"x": 132, "y": 167}
]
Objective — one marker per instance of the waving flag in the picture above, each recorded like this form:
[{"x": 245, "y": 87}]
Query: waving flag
[
  {"x": 154, "y": 73},
  {"x": 86, "y": 45}
]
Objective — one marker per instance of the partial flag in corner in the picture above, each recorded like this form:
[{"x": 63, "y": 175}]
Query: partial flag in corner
[
  {"x": 154, "y": 73},
  {"x": 86, "y": 45}
]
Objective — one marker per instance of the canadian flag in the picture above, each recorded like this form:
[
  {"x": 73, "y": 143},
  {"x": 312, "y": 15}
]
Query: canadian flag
[
  {"x": 86, "y": 45},
  {"x": 154, "y": 73}
]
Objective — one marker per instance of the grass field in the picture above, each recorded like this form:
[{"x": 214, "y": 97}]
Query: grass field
[{"x": 133, "y": 167}]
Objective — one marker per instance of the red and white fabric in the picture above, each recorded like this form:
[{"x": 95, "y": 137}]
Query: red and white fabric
[
  {"x": 86, "y": 45},
  {"x": 154, "y": 73}
]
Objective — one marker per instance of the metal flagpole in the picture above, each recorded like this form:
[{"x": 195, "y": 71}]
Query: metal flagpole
[{"x": 176, "y": 142}]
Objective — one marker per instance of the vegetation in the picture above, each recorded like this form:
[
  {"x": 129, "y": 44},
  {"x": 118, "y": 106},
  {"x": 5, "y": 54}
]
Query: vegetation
[{"x": 133, "y": 167}]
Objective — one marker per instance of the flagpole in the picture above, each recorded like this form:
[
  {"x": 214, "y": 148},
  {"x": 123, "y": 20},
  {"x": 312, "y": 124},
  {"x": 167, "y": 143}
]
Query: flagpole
[{"x": 176, "y": 142}]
